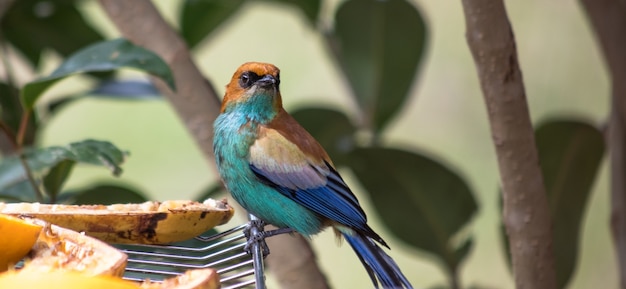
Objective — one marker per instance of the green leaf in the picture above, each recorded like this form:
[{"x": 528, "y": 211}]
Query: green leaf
[
  {"x": 462, "y": 251},
  {"x": 55, "y": 105},
  {"x": 107, "y": 194},
  {"x": 22, "y": 191},
  {"x": 379, "y": 45},
  {"x": 310, "y": 8},
  {"x": 56, "y": 177},
  {"x": 198, "y": 18},
  {"x": 421, "y": 201},
  {"x": 103, "y": 56},
  {"x": 100, "y": 153},
  {"x": 10, "y": 107},
  {"x": 570, "y": 153},
  {"x": 116, "y": 89},
  {"x": 126, "y": 90},
  {"x": 11, "y": 113},
  {"x": 332, "y": 129},
  {"x": 33, "y": 25}
]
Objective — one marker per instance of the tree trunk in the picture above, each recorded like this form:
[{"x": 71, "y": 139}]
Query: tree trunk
[
  {"x": 526, "y": 212},
  {"x": 608, "y": 19}
]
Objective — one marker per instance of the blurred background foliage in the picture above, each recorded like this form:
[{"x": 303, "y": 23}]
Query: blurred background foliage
[{"x": 405, "y": 114}]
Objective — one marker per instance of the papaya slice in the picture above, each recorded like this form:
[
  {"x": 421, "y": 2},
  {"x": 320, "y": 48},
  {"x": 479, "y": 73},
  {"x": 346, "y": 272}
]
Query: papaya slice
[
  {"x": 192, "y": 279},
  {"x": 61, "y": 249},
  {"x": 145, "y": 223}
]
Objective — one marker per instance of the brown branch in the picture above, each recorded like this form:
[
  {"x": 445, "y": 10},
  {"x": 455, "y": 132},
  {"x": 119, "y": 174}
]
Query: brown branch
[
  {"x": 195, "y": 101},
  {"x": 608, "y": 19},
  {"x": 288, "y": 270},
  {"x": 526, "y": 212},
  {"x": 197, "y": 104}
]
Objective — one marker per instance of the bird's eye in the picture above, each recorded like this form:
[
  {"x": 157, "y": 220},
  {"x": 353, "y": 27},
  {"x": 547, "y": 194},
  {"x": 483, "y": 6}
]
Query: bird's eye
[{"x": 247, "y": 79}]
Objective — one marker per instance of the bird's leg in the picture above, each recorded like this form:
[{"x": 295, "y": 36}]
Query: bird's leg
[
  {"x": 279, "y": 231},
  {"x": 255, "y": 234}
]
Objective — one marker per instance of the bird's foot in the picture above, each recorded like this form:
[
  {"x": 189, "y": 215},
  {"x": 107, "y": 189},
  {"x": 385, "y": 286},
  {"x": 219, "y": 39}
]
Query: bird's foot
[{"x": 255, "y": 235}]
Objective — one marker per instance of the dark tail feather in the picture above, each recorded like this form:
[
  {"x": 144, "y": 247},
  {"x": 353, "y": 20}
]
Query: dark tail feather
[{"x": 377, "y": 263}]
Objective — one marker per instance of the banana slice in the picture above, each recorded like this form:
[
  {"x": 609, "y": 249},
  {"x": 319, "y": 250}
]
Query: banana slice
[{"x": 145, "y": 223}]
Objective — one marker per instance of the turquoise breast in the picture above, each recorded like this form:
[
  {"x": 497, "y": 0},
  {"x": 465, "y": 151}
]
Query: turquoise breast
[{"x": 234, "y": 134}]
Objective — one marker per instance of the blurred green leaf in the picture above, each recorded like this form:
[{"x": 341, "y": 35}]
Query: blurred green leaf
[
  {"x": 107, "y": 194},
  {"x": 103, "y": 56},
  {"x": 100, "y": 153},
  {"x": 332, "y": 129},
  {"x": 379, "y": 45},
  {"x": 56, "y": 177},
  {"x": 570, "y": 153},
  {"x": 421, "y": 201},
  {"x": 10, "y": 107},
  {"x": 11, "y": 113},
  {"x": 126, "y": 89},
  {"x": 198, "y": 18},
  {"x": 33, "y": 25},
  {"x": 116, "y": 89},
  {"x": 310, "y": 8},
  {"x": 21, "y": 191},
  {"x": 464, "y": 249},
  {"x": 57, "y": 104}
]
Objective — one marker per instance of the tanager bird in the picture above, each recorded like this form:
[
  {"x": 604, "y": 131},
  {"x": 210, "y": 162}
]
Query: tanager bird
[{"x": 278, "y": 172}]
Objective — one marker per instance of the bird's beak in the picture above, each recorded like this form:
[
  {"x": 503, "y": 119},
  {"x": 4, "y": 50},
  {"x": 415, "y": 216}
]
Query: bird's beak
[{"x": 266, "y": 81}]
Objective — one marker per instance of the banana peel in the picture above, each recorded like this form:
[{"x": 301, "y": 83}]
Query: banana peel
[{"x": 145, "y": 223}]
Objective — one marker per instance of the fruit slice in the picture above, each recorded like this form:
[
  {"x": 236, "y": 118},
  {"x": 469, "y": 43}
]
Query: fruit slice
[
  {"x": 62, "y": 280},
  {"x": 145, "y": 223},
  {"x": 60, "y": 249},
  {"x": 192, "y": 279},
  {"x": 16, "y": 238}
]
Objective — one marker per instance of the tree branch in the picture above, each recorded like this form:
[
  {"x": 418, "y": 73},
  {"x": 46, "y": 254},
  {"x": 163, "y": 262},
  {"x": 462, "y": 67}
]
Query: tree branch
[
  {"x": 526, "y": 212},
  {"x": 195, "y": 100},
  {"x": 294, "y": 263},
  {"x": 292, "y": 259},
  {"x": 608, "y": 19}
]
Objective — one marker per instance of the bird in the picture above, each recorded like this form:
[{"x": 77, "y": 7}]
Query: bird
[{"x": 279, "y": 173}]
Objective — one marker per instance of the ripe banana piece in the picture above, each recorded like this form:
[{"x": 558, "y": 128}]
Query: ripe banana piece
[{"x": 145, "y": 223}]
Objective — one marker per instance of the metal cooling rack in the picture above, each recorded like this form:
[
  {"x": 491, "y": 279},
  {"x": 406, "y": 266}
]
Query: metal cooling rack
[{"x": 223, "y": 251}]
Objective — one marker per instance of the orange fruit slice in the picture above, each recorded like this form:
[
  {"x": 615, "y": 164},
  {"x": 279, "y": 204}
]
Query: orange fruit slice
[
  {"x": 16, "y": 239},
  {"x": 62, "y": 280}
]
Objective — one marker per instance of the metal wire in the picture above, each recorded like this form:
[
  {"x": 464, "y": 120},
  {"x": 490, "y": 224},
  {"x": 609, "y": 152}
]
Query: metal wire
[{"x": 222, "y": 251}]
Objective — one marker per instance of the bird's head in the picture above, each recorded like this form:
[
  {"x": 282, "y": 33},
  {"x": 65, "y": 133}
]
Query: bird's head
[{"x": 256, "y": 84}]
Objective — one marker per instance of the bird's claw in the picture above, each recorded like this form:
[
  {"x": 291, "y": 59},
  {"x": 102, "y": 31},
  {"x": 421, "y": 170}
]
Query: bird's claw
[{"x": 256, "y": 234}]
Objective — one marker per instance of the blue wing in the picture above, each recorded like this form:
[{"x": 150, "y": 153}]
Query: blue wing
[{"x": 309, "y": 181}]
